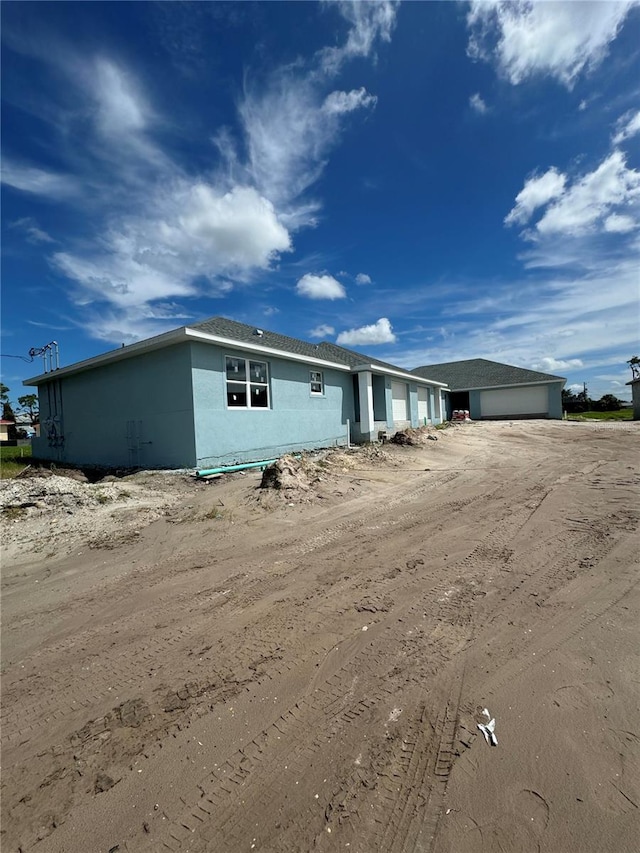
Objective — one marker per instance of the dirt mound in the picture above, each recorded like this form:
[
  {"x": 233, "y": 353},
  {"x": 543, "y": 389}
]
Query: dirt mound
[
  {"x": 52, "y": 492},
  {"x": 355, "y": 457},
  {"x": 307, "y": 478},
  {"x": 32, "y": 472},
  {"x": 289, "y": 474},
  {"x": 54, "y": 512},
  {"x": 413, "y": 437}
]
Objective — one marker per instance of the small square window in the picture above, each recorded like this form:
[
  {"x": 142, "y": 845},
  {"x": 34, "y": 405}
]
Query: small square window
[{"x": 317, "y": 383}]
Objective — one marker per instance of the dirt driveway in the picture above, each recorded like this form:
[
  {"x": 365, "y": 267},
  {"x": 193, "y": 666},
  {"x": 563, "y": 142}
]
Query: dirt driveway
[{"x": 224, "y": 672}]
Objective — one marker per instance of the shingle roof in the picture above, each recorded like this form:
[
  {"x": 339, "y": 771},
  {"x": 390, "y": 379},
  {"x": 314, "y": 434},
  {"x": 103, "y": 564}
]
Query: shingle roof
[
  {"x": 481, "y": 373},
  {"x": 224, "y": 328},
  {"x": 353, "y": 358}
]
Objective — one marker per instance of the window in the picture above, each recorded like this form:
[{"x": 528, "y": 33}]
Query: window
[
  {"x": 247, "y": 384},
  {"x": 317, "y": 384}
]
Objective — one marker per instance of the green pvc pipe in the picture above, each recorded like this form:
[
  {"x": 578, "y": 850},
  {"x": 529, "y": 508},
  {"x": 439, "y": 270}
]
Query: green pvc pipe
[{"x": 227, "y": 469}]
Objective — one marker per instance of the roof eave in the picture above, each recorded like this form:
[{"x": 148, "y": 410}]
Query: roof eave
[
  {"x": 231, "y": 343},
  {"x": 184, "y": 333},
  {"x": 129, "y": 351},
  {"x": 509, "y": 385},
  {"x": 377, "y": 368}
]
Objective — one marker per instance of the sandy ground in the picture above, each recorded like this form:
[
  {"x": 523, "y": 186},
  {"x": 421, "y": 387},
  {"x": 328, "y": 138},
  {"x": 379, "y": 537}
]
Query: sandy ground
[{"x": 202, "y": 668}]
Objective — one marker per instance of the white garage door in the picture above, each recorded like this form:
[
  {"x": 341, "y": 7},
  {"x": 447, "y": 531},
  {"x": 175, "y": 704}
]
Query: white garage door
[
  {"x": 399, "y": 395},
  {"x": 511, "y": 402},
  {"x": 423, "y": 404}
]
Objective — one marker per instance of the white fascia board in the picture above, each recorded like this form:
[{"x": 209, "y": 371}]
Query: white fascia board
[
  {"x": 139, "y": 348},
  {"x": 411, "y": 377},
  {"x": 230, "y": 343},
  {"x": 167, "y": 339},
  {"x": 510, "y": 385}
]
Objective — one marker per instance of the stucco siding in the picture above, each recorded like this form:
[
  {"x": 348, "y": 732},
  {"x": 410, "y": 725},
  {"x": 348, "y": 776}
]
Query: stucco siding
[
  {"x": 555, "y": 400},
  {"x": 134, "y": 413},
  {"x": 379, "y": 398},
  {"x": 295, "y": 419}
]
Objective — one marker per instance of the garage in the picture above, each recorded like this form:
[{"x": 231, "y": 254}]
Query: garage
[
  {"x": 492, "y": 390},
  {"x": 423, "y": 405},
  {"x": 400, "y": 407},
  {"x": 527, "y": 401}
]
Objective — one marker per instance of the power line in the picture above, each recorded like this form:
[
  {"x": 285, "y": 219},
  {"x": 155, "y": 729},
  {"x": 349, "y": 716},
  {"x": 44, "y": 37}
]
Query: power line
[{"x": 23, "y": 357}]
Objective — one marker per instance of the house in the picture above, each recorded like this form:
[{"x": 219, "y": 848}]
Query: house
[
  {"x": 221, "y": 392},
  {"x": 635, "y": 396},
  {"x": 23, "y": 422},
  {"x": 491, "y": 390},
  {"x": 5, "y": 427}
]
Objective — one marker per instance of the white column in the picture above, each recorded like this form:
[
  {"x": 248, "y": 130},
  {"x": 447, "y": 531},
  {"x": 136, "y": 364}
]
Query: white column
[
  {"x": 437, "y": 408},
  {"x": 365, "y": 389}
]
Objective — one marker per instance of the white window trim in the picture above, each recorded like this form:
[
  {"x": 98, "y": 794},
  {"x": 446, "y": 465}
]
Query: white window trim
[
  {"x": 313, "y": 381},
  {"x": 248, "y": 383}
]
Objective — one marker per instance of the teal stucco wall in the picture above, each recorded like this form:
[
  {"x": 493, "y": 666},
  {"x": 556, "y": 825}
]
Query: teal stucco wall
[
  {"x": 132, "y": 413},
  {"x": 555, "y": 400},
  {"x": 295, "y": 420},
  {"x": 474, "y": 405}
]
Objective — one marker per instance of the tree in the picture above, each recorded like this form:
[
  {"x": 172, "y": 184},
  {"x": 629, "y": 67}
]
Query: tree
[
  {"x": 7, "y": 412},
  {"x": 634, "y": 364},
  {"x": 575, "y": 403},
  {"x": 607, "y": 403},
  {"x": 29, "y": 405}
]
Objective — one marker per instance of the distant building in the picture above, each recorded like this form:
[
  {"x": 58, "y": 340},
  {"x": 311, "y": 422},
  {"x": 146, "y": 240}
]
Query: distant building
[
  {"x": 635, "y": 397},
  {"x": 491, "y": 390},
  {"x": 5, "y": 431}
]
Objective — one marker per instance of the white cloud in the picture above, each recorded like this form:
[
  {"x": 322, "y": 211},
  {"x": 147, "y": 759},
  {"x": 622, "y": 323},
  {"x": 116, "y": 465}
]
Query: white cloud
[
  {"x": 320, "y": 287},
  {"x": 30, "y": 179},
  {"x": 369, "y": 21},
  {"x": 537, "y": 191},
  {"x": 586, "y": 203},
  {"x": 121, "y": 108},
  {"x": 477, "y": 103},
  {"x": 289, "y": 132},
  {"x": 576, "y": 388},
  {"x": 363, "y": 278},
  {"x": 378, "y": 333},
  {"x": 526, "y": 38},
  {"x": 239, "y": 228},
  {"x": 619, "y": 224},
  {"x": 627, "y": 126},
  {"x": 196, "y": 231},
  {"x": 322, "y": 331},
  {"x": 548, "y": 364},
  {"x": 604, "y": 199},
  {"x": 339, "y": 103},
  {"x": 34, "y": 233},
  {"x": 153, "y": 230}
]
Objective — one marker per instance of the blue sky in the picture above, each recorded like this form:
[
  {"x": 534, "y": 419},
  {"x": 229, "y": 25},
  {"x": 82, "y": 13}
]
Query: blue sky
[{"x": 422, "y": 181}]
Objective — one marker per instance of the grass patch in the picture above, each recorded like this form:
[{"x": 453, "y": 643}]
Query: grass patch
[
  {"x": 13, "y": 460},
  {"x": 620, "y": 415}
]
